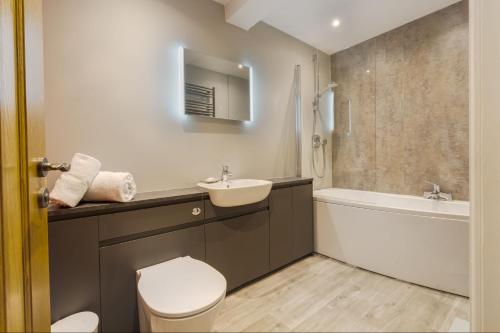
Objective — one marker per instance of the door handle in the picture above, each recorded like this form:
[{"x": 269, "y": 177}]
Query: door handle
[{"x": 44, "y": 167}]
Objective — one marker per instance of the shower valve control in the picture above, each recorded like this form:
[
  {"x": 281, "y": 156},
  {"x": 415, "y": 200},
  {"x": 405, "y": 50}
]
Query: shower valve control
[{"x": 318, "y": 141}]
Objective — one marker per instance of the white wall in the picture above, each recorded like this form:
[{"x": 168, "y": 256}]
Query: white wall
[
  {"x": 112, "y": 69},
  {"x": 485, "y": 166}
]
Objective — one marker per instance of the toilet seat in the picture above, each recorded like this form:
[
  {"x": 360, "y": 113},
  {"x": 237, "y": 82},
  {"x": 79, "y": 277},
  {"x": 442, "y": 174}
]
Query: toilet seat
[{"x": 180, "y": 288}]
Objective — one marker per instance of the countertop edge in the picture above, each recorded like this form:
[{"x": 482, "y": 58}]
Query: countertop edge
[{"x": 150, "y": 200}]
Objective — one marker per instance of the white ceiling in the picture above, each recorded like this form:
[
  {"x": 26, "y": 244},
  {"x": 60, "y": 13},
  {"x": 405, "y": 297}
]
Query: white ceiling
[{"x": 310, "y": 20}]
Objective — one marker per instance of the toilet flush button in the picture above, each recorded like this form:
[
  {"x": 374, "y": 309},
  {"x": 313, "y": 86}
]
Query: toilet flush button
[{"x": 196, "y": 211}]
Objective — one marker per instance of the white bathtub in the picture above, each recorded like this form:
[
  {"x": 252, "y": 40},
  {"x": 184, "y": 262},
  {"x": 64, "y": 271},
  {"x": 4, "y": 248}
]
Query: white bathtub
[{"x": 417, "y": 240}]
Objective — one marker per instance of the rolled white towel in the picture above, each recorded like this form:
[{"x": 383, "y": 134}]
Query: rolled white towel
[
  {"x": 112, "y": 186},
  {"x": 85, "y": 167},
  {"x": 68, "y": 190}
]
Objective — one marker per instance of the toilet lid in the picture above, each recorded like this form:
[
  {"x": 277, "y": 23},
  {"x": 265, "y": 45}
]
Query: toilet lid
[{"x": 181, "y": 287}]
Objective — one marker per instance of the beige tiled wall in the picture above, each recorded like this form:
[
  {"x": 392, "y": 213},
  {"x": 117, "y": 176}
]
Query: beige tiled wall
[{"x": 409, "y": 103}]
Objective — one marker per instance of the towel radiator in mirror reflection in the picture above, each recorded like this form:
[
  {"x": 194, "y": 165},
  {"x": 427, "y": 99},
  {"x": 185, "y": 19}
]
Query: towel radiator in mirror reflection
[{"x": 200, "y": 100}]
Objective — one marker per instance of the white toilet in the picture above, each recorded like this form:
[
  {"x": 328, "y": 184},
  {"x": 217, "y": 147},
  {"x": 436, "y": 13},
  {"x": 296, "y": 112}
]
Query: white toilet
[{"x": 180, "y": 295}]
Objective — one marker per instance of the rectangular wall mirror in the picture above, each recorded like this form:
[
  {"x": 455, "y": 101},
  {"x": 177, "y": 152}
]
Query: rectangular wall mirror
[{"x": 215, "y": 87}]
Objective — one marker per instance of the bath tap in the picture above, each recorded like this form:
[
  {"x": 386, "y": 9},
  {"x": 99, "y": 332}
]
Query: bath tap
[
  {"x": 436, "y": 193},
  {"x": 225, "y": 173}
]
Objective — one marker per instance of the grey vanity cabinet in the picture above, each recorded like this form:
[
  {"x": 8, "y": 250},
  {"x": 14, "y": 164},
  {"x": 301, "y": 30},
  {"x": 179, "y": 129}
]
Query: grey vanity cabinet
[
  {"x": 119, "y": 263},
  {"x": 239, "y": 247},
  {"x": 291, "y": 224},
  {"x": 93, "y": 260},
  {"x": 74, "y": 267}
]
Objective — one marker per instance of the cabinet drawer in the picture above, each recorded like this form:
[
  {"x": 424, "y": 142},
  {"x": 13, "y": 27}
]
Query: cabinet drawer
[
  {"x": 151, "y": 219},
  {"x": 239, "y": 247}
]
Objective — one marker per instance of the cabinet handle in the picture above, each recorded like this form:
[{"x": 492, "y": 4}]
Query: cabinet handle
[{"x": 196, "y": 211}]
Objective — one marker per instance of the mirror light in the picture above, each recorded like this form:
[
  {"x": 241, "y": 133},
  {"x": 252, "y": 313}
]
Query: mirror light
[
  {"x": 249, "y": 123},
  {"x": 181, "y": 82}
]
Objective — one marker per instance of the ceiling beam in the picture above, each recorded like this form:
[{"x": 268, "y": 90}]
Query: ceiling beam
[{"x": 247, "y": 13}]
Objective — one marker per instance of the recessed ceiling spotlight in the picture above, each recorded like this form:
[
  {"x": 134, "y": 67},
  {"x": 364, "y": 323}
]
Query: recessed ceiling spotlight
[
  {"x": 336, "y": 23},
  {"x": 240, "y": 66}
]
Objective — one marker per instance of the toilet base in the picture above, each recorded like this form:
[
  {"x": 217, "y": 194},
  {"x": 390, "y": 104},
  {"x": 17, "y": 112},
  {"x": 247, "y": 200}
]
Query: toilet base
[{"x": 202, "y": 322}]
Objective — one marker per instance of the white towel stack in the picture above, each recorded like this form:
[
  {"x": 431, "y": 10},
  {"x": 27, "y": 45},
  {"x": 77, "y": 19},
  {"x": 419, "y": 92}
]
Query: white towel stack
[
  {"x": 112, "y": 186},
  {"x": 70, "y": 188},
  {"x": 85, "y": 181}
]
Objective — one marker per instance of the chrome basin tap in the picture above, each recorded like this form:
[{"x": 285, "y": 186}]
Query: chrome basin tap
[
  {"x": 225, "y": 173},
  {"x": 436, "y": 193}
]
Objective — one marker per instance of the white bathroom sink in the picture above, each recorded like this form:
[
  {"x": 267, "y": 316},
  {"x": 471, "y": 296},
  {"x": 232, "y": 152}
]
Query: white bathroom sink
[{"x": 237, "y": 192}]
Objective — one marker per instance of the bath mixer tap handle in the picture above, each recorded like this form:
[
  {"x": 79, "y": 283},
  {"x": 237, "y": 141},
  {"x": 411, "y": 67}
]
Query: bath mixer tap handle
[{"x": 436, "y": 187}]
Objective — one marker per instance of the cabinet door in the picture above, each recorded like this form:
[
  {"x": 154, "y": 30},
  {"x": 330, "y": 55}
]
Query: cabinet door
[
  {"x": 74, "y": 267},
  {"x": 239, "y": 247},
  {"x": 281, "y": 227},
  {"x": 120, "y": 262},
  {"x": 303, "y": 228}
]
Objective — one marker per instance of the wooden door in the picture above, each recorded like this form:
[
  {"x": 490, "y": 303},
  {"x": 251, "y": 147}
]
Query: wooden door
[{"x": 24, "y": 287}]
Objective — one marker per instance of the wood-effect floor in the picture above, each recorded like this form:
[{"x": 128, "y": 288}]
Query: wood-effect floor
[{"x": 319, "y": 294}]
